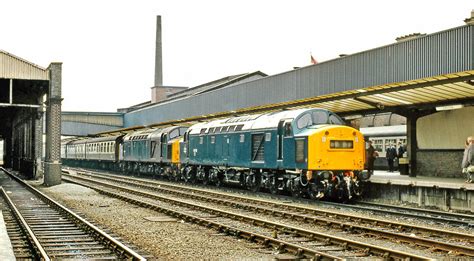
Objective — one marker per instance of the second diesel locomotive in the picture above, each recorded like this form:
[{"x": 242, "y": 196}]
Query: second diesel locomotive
[{"x": 306, "y": 152}]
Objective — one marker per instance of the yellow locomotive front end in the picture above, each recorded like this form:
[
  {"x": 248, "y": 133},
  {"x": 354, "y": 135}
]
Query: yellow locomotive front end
[
  {"x": 336, "y": 147},
  {"x": 336, "y": 158}
]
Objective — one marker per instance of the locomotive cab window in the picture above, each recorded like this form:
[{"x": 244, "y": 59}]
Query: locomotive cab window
[
  {"x": 304, "y": 121},
  {"x": 174, "y": 134},
  {"x": 333, "y": 119}
]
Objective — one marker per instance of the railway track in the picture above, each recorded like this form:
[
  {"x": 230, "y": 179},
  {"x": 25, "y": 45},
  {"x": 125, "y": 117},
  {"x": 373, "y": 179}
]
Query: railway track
[
  {"x": 22, "y": 247},
  {"x": 286, "y": 212},
  {"x": 41, "y": 229},
  {"x": 418, "y": 213}
]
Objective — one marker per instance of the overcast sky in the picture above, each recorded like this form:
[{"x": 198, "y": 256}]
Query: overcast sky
[{"x": 108, "y": 47}]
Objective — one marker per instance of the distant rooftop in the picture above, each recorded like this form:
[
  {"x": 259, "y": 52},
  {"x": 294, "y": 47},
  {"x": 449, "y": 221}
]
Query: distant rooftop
[{"x": 203, "y": 88}]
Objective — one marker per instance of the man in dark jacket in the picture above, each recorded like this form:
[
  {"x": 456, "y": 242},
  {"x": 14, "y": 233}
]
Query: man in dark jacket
[
  {"x": 401, "y": 150},
  {"x": 391, "y": 154},
  {"x": 371, "y": 156}
]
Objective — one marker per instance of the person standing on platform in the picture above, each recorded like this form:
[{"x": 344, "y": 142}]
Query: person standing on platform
[
  {"x": 391, "y": 154},
  {"x": 372, "y": 154},
  {"x": 401, "y": 150},
  {"x": 468, "y": 160}
]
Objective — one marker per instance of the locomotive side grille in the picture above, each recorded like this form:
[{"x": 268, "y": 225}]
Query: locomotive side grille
[
  {"x": 300, "y": 155},
  {"x": 258, "y": 147}
]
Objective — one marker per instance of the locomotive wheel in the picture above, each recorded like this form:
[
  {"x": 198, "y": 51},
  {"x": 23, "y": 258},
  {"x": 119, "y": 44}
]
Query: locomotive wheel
[
  {"x": 274, "y": 184},
  {"x": 205, "y": 179},
  {"x": 190, "y": 175},
  {"x": 296, "y": 189},
  {"x": 314, "y": 193},
  {"x": 220, "y": 181},
  {"x": 254, "y": 181},
  {"x": 358, "y": 188},
  {"x": 297, "y": 193}
]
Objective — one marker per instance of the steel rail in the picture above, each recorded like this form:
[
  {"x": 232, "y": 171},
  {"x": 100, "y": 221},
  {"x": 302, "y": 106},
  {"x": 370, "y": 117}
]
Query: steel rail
[
  {"x": 318, "y": 212},
  {"x": 404, "y": 214},
  {"x": 254, "y": 237},
  {"x": 120, "y": 248},
  {"x": 349, "y": 244},
  {"x": 34, "y": 242},
  {"x": 424, "y": 211},
  {"x": 460, "y": 249}
]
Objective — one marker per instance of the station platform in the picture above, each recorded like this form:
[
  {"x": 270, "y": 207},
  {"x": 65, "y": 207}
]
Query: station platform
[
  {"x": 424, "y": 191},
  {"x": 394, "y": 178}
]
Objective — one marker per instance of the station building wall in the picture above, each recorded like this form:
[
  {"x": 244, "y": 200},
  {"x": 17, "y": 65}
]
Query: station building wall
[{"x": 441, "y": 137}]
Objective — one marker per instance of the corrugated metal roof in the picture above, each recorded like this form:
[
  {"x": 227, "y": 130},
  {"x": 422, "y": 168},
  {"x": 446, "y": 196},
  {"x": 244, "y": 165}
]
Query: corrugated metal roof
[
  {"x": 423, "y": 60},
  {"x": 99, "y": 118},
  {"x": 220, "y": 83},
  {"x": 13, "y": 67}
]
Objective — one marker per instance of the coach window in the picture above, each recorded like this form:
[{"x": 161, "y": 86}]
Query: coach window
[
  {"x": 203, "y": 130},
  {"x": 242, "y": 138},
  {"x": 201, "y": 140},
  {"x": 213, "y": 139}
]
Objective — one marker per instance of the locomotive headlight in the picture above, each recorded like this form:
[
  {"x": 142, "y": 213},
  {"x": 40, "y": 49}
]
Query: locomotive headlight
[{"x": 341, "y": 144}]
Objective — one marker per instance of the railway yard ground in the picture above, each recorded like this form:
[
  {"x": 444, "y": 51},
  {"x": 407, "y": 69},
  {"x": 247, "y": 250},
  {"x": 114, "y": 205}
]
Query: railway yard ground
[{"x": 166, "y": 220}]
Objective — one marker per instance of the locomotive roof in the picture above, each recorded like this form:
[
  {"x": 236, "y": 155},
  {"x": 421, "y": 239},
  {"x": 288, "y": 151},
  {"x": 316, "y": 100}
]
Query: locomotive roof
[
  {"x": 149, "y": 133},
  {"x": 141, "y": 134},
  {"x": 92, "y": 140},
  {"x": 252, "y": 122}
]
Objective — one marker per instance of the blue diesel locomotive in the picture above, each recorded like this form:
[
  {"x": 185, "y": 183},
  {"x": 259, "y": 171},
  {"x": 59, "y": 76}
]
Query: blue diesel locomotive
[{"x": 306, "y": 152}]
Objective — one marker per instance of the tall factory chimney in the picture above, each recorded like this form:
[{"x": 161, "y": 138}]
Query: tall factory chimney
[
  {"x": 158, "y": 55},
  {"x": 158, "y": 91}
]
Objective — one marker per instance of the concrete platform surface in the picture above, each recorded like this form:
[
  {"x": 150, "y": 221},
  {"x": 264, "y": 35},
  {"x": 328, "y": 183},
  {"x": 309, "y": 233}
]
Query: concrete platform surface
[
  {"x": 6, "y": 249},
  {"x": 394, "y": 178}
]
